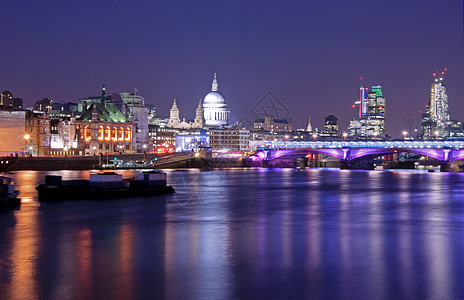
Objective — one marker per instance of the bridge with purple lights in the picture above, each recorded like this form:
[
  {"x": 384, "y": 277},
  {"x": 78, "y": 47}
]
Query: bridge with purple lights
[{"x": 444, "y": 151}]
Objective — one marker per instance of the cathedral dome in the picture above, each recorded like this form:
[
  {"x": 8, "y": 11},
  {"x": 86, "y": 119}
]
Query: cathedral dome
[
  {"x": 214, "y": 98},
  {"x": 215, "y": 107}
]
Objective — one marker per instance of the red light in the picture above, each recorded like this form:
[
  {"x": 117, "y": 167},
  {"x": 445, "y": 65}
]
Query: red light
[
  {"x": 446, "y": 69},
  {"x": 434, "y": 74},
  {"x": 354, "y": 106},
  {"x": 426, "y": 105},
  {"x": 160, "y": 150},
  {"x": 442, "y": 73}
]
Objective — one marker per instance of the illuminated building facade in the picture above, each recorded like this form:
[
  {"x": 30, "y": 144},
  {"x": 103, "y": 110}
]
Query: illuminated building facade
[
  {"x": 63, "y": 138},
  {"x": 230, "y": 140},
  {"x": 369, "y": 115},
  {"x": 161, "y": 136},
  {"x": 38, "y": 132},
  {"x": 192, "y": 140},
  {"x": 102, "y": 129},
  {"x": 12, "y": 132}
]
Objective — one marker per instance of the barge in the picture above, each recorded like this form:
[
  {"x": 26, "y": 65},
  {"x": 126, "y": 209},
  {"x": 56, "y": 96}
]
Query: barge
[
  {"x": 104, "y": 185},
  {"x": 8, "y": 193}
]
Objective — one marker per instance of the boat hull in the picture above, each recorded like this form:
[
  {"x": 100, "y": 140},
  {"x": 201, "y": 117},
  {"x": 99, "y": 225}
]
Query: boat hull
[
  {"x": 48, "y": 193},
  {"x": 6, "y": 203}
]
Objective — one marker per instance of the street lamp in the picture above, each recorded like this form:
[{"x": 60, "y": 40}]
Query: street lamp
[
  {"x": 315, "y": 136},
  {"x": 344, "y": 136},
  {"x": 404, "y": 135},
  {"x": 27, "y": 137},
  {"x": 436, "y": 135},
  {"x": 375, "y": 135}
]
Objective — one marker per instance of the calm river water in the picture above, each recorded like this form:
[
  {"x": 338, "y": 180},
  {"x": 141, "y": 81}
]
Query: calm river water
[{"x": 243, "y": 233}]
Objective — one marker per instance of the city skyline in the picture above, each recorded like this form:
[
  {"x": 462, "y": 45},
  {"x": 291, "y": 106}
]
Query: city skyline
[
  {"x": 413, "y": 128},
  {"x": 167, "y": 55}
]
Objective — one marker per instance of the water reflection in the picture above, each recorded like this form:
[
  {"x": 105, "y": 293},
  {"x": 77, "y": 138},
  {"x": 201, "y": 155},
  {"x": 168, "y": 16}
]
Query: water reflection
[{"x": 267, "y": 233}]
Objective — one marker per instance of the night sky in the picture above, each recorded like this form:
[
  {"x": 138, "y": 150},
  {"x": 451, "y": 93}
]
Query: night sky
[{"x": 310, "y": 54}]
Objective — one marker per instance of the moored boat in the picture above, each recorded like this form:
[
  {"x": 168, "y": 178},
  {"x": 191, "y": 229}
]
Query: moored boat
[
  {"x": 104, "y": 185},
  {"x": 8, "y": 193}
]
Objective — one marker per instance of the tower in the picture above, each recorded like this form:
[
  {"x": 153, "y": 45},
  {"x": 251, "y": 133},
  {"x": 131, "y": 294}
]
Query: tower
[
  {"x": 309, "y": 128},
  {"x": 439, "y": 110},
  {"x": 174, "y": 119},
  {"x": 199, "y": 120},
  {"x": 103, "y": 94}
]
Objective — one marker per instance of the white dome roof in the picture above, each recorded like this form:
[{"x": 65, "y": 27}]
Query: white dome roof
[{"x": 213, "y": 98}]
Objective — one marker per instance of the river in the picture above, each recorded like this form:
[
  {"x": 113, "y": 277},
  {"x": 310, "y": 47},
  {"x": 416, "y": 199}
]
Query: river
[{"x": 242, "y": 233}]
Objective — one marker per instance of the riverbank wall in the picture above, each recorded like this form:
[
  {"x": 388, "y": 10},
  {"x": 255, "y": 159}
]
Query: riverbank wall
[{"x": 90, "y": 162}]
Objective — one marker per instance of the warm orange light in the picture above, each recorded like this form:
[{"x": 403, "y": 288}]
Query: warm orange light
[
  {"x": 121, "y": 134},
  {"x": 27, "y": 136},
  {"x": 114, "y": 134},
  {"x": 128, "y": 135},
  {"x": 87, "y": 133},
  {"x": 100, "y": 133},
  {"x": 107, "y": 133}
]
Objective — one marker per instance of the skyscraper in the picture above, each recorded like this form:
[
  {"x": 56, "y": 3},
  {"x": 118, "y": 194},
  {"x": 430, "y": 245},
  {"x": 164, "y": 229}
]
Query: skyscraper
[
  {"x": 369, "y": 114},
  {"x": 437, "y": 113}
]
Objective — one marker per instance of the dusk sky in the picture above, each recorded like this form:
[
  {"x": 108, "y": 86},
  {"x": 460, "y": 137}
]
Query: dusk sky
[{"x": 310, "y": 54}]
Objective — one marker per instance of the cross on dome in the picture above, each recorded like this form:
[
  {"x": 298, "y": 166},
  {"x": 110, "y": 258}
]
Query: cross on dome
[{"x": 214, "y": 87}]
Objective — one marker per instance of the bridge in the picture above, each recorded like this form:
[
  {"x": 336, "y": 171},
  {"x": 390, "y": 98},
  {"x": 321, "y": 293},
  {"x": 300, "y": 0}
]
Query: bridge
[{"x": 350, "y": 151}]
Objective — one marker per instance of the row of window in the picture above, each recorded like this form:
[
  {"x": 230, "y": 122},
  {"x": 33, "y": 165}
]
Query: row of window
[{"x": 109, "y": 134}]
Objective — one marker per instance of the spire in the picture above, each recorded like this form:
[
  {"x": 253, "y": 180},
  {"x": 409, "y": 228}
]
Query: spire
[
  {"x": 309, "y": 128},
  {"x": 214, "y": 87},
  {"x": 174, "y": 105},
  {"x": 199, "y": 104},
  {"x": 104, "y": 92}
]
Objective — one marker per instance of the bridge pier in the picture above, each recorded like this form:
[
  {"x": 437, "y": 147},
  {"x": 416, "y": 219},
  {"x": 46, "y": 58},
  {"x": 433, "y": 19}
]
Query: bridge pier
[
  {"x": 451, "y": 166},
  {"x": 265, "y": 163}
]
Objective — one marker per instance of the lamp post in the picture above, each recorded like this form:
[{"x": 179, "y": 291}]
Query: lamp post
[
  {"x": 436, "y": 135},
  {"x": 375, "y": 136},
  {"x": 344, "y": 136},
  {"x": 404, "y": 135},
  {"x": 27, "y": 137},
  {"x": 315, "y": 136}
]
